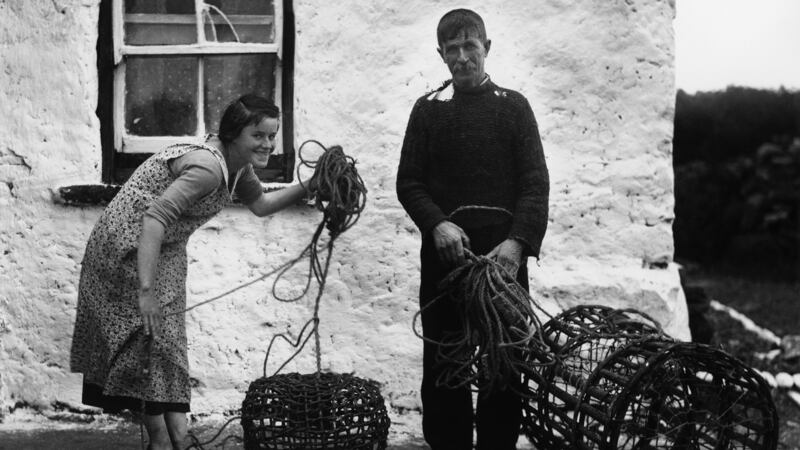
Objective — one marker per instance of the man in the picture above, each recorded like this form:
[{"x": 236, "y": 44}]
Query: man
[{"x": 472, "y": 175}]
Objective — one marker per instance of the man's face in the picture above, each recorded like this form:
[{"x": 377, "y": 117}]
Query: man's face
[{"x": 465, "y": 56}]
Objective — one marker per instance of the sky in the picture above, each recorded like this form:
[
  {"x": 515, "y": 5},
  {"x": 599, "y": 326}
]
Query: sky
[{"x": 752, "y": 43}]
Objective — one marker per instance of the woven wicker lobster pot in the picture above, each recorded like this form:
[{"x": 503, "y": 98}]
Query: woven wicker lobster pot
[
  {"x": 587, "y": 319},
  {"x": 581, "y": 338},
  {"x": 636, "y": 388},
  {"x": 314, "y": 411}
]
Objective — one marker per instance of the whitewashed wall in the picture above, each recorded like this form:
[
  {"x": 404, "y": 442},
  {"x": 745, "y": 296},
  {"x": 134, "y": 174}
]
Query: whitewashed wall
[{"x": 599, "y": 75}]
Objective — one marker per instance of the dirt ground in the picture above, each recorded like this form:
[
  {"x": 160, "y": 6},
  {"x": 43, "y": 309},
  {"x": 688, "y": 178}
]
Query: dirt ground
[
  {"x": 65, "y": 431},
  {"x": 100, "y": 432}
]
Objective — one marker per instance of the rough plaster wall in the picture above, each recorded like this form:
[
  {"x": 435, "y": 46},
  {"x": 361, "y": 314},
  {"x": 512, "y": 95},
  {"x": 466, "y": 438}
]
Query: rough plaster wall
[
  {"x": 47, "y": 101},
  {"x": 599, "y": 75}
]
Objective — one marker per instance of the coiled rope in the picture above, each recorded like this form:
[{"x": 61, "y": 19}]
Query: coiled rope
[
  {"x": 498, "y": 327},
  {"x": 341, "y": 196}
]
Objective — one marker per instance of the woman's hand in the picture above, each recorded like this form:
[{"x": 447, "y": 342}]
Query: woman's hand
[
  {"x": 151, "y": 312},
  {"x": 312, "y": 184}
]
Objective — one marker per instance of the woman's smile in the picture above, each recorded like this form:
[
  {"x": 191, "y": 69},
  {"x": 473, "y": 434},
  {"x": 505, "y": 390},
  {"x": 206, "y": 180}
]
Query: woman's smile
[{"x": 255, "y": 144}]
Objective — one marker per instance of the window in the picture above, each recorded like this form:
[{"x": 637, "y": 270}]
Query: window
[{"x": 168, "y": 68}]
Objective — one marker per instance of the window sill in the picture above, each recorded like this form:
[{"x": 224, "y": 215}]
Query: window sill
[
  {"x": 102, "y": 194},
  {"x": 86, "y": 194},
  {"x": 278, "y": 170}
]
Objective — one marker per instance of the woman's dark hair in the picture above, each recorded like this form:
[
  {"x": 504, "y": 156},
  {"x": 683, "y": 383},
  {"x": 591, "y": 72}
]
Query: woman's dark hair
[
  {"x": 454, "y": 22},
  {"x": 248, "y": 109}
]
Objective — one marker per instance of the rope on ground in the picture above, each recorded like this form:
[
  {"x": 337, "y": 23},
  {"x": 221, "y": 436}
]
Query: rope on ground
[{"x": 197, "y": 444}]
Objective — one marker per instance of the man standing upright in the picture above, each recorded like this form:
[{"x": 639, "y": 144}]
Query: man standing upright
[{"x": 472, "y": 174}]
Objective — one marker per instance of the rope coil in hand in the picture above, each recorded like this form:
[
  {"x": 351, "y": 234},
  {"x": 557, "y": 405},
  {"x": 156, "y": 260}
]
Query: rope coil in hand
[
  {"x": 500, "y": 332},
  {"x": 341, "y": 194}
]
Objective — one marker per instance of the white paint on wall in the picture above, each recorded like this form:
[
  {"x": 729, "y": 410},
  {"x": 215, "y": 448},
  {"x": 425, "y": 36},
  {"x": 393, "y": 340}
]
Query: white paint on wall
[{"x": 598, "y": 74}]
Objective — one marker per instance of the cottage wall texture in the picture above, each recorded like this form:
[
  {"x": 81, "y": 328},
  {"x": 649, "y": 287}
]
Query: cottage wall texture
[{"x": 598, "y": 73}]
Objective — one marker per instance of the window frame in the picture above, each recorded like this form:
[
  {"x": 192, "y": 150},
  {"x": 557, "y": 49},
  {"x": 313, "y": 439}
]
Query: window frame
[{"x": 122, "y": 152}]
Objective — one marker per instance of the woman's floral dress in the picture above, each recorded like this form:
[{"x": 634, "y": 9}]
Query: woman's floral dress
[{"x": 108, "y": 344}]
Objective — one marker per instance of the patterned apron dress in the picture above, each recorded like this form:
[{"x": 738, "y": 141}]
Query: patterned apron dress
[{"x": 108, "y": 343}]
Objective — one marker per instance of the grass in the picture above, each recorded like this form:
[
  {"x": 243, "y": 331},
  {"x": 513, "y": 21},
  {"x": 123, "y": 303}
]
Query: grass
[
  {"x": 773, "y": 303},
  {"x": 771, "y": 298}
]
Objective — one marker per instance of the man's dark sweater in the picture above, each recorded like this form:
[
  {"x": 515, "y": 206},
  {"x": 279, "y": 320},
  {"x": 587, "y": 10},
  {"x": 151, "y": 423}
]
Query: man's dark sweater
[{"x": 477, "y": 147}]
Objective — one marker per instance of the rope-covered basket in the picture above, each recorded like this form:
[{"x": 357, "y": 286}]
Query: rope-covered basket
[
  {"x": 620, "y": 391},
  {"x": 314, "y": 411}
]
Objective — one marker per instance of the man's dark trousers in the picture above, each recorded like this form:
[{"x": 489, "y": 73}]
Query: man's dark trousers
[{"x": 447, "y": 415}]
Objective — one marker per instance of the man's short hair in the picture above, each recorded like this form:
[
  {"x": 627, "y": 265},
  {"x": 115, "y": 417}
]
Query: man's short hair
[{"x": 460, "y": 20}]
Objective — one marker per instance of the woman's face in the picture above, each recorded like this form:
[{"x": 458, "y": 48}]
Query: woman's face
[{"x": 256, "y": 142}]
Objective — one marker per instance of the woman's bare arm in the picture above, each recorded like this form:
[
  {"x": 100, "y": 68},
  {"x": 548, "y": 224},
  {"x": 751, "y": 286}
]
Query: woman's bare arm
[{"x": 147, "y": 261}]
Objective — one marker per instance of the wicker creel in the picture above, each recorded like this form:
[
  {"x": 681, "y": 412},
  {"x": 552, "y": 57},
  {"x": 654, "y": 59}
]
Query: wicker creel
[
  {"x": 597, "y": 319},
  {"x": 581, "y": 338},
  {"x": 314, "y": 411},
  {"x": 651, "y": 393}
]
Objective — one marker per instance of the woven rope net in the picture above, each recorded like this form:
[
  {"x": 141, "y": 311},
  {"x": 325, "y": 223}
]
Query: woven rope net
[{"x": 621, "y": 383}]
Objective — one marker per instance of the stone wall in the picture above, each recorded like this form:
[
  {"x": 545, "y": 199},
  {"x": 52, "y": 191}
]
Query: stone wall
[{"x": 599, "y": 75}]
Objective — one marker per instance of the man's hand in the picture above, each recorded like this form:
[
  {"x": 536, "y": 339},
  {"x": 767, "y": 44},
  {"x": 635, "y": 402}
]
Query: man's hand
[
  {"x": 508, "y": 254},
  {"x": 450, "y": 241},
  {"x": 151, "y": 312}
]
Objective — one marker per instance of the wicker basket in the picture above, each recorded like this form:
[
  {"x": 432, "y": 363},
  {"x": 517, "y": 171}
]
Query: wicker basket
[
  {"x": 597, "y": 319},
  {"x": 581, "y": 338},
  {"x": 622, "y": 384},
  {"x": 314, "y": 411}
]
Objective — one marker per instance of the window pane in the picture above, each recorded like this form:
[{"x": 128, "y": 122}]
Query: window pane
[
  {"x": 159, "y": 22},
  {"x": 230, "y": 76},
  {"x": 240, "y": 20},
  {"x": 250, "y": 7},
  {"x": 161, "y": 96}
]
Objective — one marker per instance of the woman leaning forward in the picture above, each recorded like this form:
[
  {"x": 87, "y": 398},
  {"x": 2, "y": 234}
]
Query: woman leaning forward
[{"x": 133, "y": 278}]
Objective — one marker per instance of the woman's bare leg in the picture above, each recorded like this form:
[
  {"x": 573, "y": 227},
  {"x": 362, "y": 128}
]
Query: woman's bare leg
[
  {"x": 157, "y": 432},
  {"x": 176, "y": 427}
]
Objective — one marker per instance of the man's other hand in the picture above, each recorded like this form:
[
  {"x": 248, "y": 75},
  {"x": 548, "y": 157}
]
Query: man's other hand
[
  {"x": 508, "y": 254},
  {"x": 450, "y": 241}
]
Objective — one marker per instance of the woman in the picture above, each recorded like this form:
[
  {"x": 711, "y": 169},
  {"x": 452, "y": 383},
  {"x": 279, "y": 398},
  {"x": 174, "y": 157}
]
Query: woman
[{"x": 132, "y": 287}]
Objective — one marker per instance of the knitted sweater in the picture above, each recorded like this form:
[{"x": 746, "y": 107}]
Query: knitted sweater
[{"x": 476, "y": 147}]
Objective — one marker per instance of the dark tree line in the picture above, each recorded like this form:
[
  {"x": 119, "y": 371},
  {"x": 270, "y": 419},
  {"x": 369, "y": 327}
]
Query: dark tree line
[
  {"x": 737, "y": 176},
  {"x": 721, "y": 125}
]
